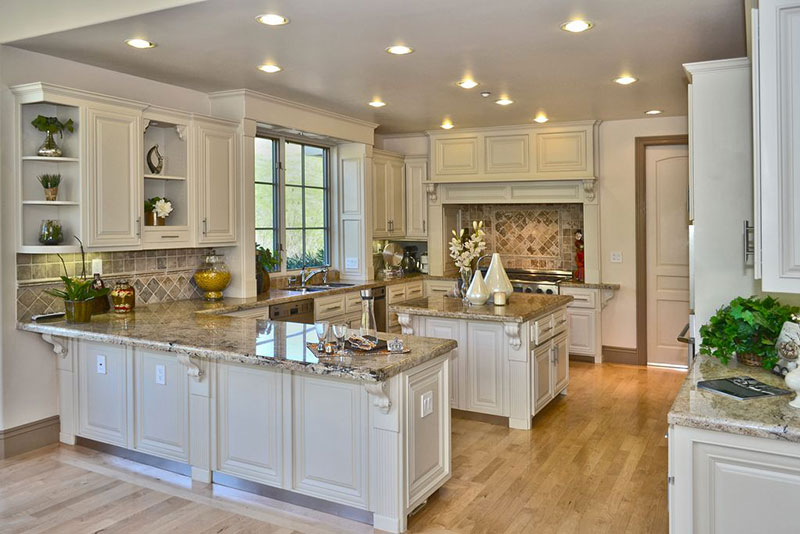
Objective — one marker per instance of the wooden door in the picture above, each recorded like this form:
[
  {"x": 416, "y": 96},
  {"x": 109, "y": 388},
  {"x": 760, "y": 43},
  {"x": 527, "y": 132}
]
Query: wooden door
[
  {"x": 667, "y": 216},
  {"x": 416, "y": 197},
  {"x": 114, "y": 210},
  {"x": 380, "y": 217},
  {"x": 217, "y": 184},
  {"x": 397, "y": 197},
  {"x": 542, "y": 375}
]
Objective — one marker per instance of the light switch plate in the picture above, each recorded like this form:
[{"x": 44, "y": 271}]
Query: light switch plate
[
  {"x": 427, "y": 403},
  {"x": 616, "y": 257},
  {"x": 101, "y": 364},
  {"x": 161, "y": 374},
  {"x": 351, "y": 263}
]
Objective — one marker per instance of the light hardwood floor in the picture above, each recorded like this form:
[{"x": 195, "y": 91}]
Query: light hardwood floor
[{"x": 595, "y": 462}]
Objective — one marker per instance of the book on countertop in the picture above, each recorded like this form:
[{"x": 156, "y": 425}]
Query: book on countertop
[{"x": 741, "y": 387}]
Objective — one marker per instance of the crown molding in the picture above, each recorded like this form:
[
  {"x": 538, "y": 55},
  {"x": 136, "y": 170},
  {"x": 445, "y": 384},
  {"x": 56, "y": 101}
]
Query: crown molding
[{"x": 712, "y": 66}]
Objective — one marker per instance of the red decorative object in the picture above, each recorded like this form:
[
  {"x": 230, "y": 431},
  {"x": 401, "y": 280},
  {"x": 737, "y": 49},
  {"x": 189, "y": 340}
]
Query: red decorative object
[{"x": 580, "y": 270}]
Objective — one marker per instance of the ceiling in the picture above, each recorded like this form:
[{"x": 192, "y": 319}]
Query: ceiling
[{"x": 333, "y": 57}]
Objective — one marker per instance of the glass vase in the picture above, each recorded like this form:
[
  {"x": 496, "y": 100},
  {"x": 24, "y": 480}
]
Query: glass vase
[
  {"x": 51, "y": 232},
  {"x": 465, "y": 275},
  {"x": 49, "y": 148}
]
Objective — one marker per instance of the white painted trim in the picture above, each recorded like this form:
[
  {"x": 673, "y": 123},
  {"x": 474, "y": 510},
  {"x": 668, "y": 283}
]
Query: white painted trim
[
  {"x": 547, "y": 126},
  {"x": 710, "y": 66}
]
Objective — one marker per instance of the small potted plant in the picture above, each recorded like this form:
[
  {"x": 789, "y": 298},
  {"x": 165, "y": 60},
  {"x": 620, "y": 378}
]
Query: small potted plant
[
  {"x": 266, "y": 262},
  {"x": 51, "y": 232},
  {"x": 748, "y": 329},
  {"x": 78, "y": 295},
  {"x": 156, "y": 211},
  {"x": 50, "y": 184},
  {"x": 50, "y": 126}
]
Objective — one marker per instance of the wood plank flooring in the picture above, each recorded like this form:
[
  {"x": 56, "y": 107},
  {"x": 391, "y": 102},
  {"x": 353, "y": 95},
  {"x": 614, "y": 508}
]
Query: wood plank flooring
[{"x": 595, "y": 462}]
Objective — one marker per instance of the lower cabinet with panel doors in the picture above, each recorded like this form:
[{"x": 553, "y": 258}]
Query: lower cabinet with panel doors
[
  {"x": 379, "y": 448},
  {"x": 585, "y": 319},
  {"x": 725, "y": 483},
  {"x": 507, "y": 369}
]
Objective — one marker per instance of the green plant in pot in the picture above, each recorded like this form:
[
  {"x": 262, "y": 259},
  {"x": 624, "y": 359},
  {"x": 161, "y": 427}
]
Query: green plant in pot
[
  {"x": 50, "y": 183},
  {"x": 78, "y": 293},
  {"x": 50, "y": 126},
  {"x": 747, "y": 328},
  {"x": 266, "y": 262}
]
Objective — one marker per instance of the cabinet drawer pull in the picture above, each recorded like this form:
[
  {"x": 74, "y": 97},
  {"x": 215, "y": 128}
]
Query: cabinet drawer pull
[
  {"x": 332, "y": 307},
  {"x": 559, "y": 323},
  {"x": 170, "y": 237}
]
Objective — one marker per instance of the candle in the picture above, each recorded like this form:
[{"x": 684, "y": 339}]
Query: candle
[{"x": 499, "y": 298}]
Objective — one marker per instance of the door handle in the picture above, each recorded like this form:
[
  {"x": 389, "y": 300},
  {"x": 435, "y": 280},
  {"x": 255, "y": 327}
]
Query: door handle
[
  {"x": 749, "y": 241},
  {"x": 138, "y": 226},
  {"x": 205, "y": 226},
  {"x": 424, "y": 229}
]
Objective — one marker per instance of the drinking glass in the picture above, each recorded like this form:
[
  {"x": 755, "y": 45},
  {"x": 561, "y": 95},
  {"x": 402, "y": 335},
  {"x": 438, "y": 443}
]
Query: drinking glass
[
  {"x": 340, "y": 331},
  {"x": 323, "y": 331}
]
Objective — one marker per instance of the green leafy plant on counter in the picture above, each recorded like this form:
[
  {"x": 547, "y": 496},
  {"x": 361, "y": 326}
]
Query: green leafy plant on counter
[
  {"x": 746, "y": 326},
  {"x": 77, "y": 288},
  {"x": 53, "y": 125},
  {"x": 49, "y": 181},
  {"x": 266, "y": 259}
]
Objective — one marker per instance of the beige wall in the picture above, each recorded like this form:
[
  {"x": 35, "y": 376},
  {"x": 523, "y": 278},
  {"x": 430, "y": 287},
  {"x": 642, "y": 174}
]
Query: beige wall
[
  {"x": 409, "y": 145},
  {"x": 617, "y": 218},
  {"x": 28, "y": 388}
]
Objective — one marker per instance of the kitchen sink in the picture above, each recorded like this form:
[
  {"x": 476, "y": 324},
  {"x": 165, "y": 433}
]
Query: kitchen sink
[
  {"x": 337, "y": 284},
  {"x": 319, "y": 287}
]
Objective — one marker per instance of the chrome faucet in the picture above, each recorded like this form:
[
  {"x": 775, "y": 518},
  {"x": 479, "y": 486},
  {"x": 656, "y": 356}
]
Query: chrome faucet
[{"x": 305, "y": 277}]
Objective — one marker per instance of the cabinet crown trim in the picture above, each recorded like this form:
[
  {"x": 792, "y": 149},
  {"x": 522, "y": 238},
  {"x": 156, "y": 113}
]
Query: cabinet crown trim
[
  {"x": 41, "y": 91},
  {"x": 489, "y": 129},
  {"x": 710, "y": 66}
]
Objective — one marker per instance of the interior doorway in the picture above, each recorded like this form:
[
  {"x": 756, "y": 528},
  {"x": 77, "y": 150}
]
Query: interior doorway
[{"x": 662, "y": 248}]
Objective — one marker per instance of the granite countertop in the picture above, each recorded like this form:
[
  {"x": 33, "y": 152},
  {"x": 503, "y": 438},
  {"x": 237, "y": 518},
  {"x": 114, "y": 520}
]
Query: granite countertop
[
  {"x": 520, "y": 308},
  {"x": 178, "y": 327},
  {"x": 767, "y": 417},
  {"x": 588, "y": 285}
]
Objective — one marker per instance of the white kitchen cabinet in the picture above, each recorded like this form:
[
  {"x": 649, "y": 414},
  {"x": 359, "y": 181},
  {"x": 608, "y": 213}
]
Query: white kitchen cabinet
[
  {"x": 582, "y": 332},
  {"x": 486, "y": 368},
  {"x": 330, "y": 437},
  {"x": 161, "y": 405},
  {"x": 731, "y": 483},
  {"x": 450, "y": 329},
  {"x": 553, "y": 152},
  {"x": 439, "y": 287},
  {"x": 388, "y": 195},
  {"x": 778, "y": 142},
  {"x": 217, "y": 173},
  {"x": 103, "y": 393},
  {"x": 561, "y": 363},
  {"x": 416, "y": 197},
  {"x": 542, "y": 376},
  {"x": 250, "y": 411},
  {"x": 113, "y": 214}
]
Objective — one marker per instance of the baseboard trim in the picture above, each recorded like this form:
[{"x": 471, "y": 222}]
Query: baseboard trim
[
  {"x": 173, "y": 466},
  {"x": 581, "y": 358},
  {"x": 620, "y": 355},
  {"x": 30, "y": 436},
  {"x": 482, "y": 417}
]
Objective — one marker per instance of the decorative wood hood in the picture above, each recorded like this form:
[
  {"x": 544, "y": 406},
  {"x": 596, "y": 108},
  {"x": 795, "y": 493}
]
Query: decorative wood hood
[{"x": 565, "y": 151}]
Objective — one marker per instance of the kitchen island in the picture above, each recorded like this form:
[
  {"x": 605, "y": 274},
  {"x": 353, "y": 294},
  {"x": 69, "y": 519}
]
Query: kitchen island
[
  {"x": 734, "y": 465},
  {"x": 511, "y": 360},
  {"x": 244, "y": 402}
]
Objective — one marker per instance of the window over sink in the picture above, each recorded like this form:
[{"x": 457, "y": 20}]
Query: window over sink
[{"x": 292, "y": 201}]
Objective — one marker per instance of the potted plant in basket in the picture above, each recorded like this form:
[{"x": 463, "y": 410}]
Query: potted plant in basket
[
  {"x": 78, "y": 295},
  {"x": 156, "y": 211},
  {"x": 50, "y": 183},
  {"x": 266, "y": 262},
  {"x": 747, "y": 328},
  {"x": 50, "y": 126}
]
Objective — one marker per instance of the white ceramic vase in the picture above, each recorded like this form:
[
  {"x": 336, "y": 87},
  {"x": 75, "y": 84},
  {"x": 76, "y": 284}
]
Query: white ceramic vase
[
  {"x": 496, "y": 277},
  {"x": 793, "y": 381},
  {"x": 478, "y": 292}
]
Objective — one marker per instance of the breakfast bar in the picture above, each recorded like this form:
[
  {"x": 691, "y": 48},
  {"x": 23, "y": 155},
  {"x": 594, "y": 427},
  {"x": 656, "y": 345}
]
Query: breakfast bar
[
  {"x": 245, "y": 402},
  {"x": 511, "y": 360}
]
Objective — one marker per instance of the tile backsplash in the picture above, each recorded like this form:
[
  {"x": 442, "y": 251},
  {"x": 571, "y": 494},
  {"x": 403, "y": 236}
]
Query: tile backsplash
[
  {"x": 157, "y": 275},
  {"x": 528, "y": 236}
]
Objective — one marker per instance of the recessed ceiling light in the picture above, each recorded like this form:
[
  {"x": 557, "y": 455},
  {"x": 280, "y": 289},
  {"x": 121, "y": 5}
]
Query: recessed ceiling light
[
  {"x": 447, "y": 124},
  {"x": 140, "y": 43},
  {"x": 486, "y": 94},
  {"x": 467, "y": 83},
  {"x": 399, "y": 50},
  {"x": 505, "y": 101},
  {"x": 377, "y": 103},
  {"x": 653, "y": 112},
  {"x": 626, "y": 80},
  {"x": 541, "y": 118},
  {"x": 269, "y": 68},
  {"x": 576, "y": 26},
  {"x": 272, "y": 19}
]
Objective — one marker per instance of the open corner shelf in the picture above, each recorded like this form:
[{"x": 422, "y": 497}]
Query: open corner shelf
[
  {"x": 50, "y": 203},
  {"x": 55, "y": 160},
  {"x": 163, "y": 177}
]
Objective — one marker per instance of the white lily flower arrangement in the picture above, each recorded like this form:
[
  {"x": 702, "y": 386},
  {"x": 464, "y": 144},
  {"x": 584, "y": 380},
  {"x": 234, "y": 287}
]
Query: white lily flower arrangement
[
  {"x": 163, "y": 208},
  {"x": 465, "y": 252}
]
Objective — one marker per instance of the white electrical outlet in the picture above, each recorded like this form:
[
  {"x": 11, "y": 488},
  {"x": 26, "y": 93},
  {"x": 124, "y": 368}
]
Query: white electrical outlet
[
  {"x": 616, "y": 257},
  {"x": 101, "y": 364},
  {"x": 161, "y": 374},
  {"x": 97, "y": 267},
  {"x": 427, "y": 403}
]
